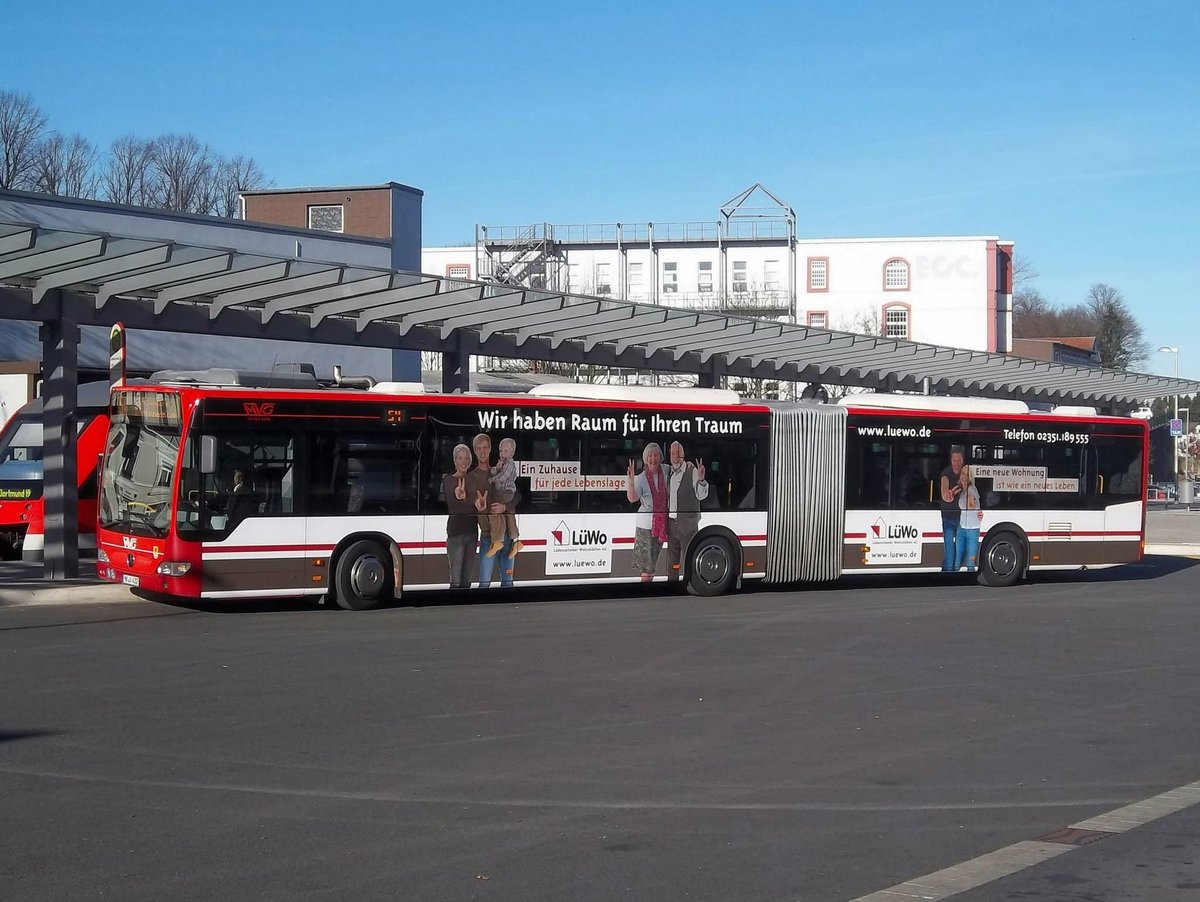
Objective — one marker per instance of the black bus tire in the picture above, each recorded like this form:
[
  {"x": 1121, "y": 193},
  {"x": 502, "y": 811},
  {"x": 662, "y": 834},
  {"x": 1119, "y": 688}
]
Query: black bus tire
[
  {"x": 712, "y": 566},
  {"x": 364, "y": 576},
  {"x": 1002, "y": 561}
]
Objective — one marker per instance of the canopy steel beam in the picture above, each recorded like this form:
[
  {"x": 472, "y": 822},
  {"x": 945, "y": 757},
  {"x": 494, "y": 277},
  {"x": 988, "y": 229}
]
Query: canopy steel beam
[
  {"x": 435, "y": 300},
  {"x": 264, "y": 291},
  {"x": 50, "y": 255},
  {"x": 681, "y": 326},
  {"x": 482, "y": 306},
  {"x": 640, "y": 321},
  {"x": 768, "y": 332},
  {"x": 604, "y": 318},
  {"x": 136, "y": 256},
  {"x": 185, "y": 263},
  {"x": 355, "y": 304},
  {"x": 16, "y": 238},
  {"x": 466, "y": 320},
  {"x": 363, "y": 284},
  {"x": 250, "y": 272},
  {"x": 570, "y": 315}
]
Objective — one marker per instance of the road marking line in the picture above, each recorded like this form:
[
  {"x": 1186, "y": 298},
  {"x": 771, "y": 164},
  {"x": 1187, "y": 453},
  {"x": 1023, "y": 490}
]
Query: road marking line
[{"x": 1011, "y": 859}]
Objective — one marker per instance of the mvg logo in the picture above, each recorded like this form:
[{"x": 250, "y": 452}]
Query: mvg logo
[
  {"x": 883, "y": 530},
  {"x": 564, "y": 536},
  {"x": 259, "y": 411},
  {"x": 129, "y": 542}
]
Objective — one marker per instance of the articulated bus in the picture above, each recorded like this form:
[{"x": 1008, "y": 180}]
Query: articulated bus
[
  {"x": 220, "y": 491},
  {"x": 22, "y": 524}
]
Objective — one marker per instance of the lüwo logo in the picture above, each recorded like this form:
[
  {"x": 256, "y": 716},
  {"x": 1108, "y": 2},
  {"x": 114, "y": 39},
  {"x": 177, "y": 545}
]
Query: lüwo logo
[
  {"x": 569, "y": 537},
  {"x": 883, "y": 530}
]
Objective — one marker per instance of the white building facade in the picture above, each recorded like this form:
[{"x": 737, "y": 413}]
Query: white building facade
[{"x": 951, "y": 291}]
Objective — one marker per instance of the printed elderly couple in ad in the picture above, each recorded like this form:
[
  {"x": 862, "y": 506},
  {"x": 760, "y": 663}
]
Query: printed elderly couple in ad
[
  {"x": 481, "y": 500},
  {"x": 668, "y": 500}
]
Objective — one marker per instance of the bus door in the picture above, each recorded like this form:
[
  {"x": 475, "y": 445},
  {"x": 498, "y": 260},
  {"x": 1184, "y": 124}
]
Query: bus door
[{"x": 363, "y": 480}]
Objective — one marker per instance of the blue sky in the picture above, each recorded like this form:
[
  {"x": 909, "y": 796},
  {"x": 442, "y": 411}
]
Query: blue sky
[{"x": 1072, "y": 129}]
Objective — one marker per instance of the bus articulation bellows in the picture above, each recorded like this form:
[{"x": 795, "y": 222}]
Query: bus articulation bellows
[{"x": 233, "y": 491}]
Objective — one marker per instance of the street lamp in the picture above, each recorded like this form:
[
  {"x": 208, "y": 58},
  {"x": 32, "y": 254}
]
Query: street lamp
[{"x": 1167, "y": 349}]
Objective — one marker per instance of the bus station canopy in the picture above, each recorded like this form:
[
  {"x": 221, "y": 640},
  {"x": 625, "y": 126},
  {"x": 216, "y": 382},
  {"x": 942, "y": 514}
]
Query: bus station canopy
[{"x": 88, "y": 277}]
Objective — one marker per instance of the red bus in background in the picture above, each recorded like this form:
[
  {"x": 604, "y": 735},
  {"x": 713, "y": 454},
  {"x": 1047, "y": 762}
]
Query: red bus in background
[{"x": 22, "y": 522}]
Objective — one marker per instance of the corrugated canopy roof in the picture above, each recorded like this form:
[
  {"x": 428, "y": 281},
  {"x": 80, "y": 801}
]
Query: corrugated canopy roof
[{"x": 95, "y": 278}]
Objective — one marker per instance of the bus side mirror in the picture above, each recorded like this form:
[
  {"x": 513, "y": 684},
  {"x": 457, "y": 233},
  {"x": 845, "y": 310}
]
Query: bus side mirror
[{"x": 208, "y": 454}]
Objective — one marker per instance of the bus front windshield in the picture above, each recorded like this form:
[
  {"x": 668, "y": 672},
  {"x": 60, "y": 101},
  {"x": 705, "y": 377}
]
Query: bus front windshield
[{"x": 141, "y": 454}]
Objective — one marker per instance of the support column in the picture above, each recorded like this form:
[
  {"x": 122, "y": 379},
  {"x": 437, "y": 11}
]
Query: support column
[
  {"x": 60, "y": 370},
  {"x": 456, "y": 369},
  {"x": 710, "y": 376}
]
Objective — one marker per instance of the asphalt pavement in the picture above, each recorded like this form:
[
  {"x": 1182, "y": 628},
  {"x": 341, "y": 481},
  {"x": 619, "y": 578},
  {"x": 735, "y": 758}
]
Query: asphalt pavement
[{"x": 834, "y": 743}]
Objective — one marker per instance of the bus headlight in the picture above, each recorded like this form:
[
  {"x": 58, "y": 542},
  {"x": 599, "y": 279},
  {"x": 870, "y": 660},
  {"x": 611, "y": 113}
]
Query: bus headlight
[
  {"x": 173, "y": 568},
  {"x": 101, "y": 556}
]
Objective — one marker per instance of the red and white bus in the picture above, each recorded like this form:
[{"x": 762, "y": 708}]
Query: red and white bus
[
  {"x": 22, "y": 524},
  {"x": 344, "y": 493}
]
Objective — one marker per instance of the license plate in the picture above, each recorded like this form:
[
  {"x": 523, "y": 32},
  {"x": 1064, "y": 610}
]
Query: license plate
[{"x": 130, "y": 580}]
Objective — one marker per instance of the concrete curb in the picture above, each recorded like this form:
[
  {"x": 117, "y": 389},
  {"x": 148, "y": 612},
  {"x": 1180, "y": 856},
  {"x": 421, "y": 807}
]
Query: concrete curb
[{"x": 85, "y": 594}]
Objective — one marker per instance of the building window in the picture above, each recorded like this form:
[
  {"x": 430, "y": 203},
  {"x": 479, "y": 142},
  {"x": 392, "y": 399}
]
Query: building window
[
  {"x": 670, "y": 278},
  {"x": 458, "y": 271},
  {"x": 818, "y": 273},
  {"x": 704, "y": 276},
  {"x": 740, "y": 282},
  {"x": 636, "y": 285},
  {"x": 817, "y": 319},
  {"x": 326, "y": 218},
  {"x": 895, "y": 275},
  {"x": 771, "y": 275},
  {"x": 603, "y": 278},
  {"x": 896, "y": 321}
]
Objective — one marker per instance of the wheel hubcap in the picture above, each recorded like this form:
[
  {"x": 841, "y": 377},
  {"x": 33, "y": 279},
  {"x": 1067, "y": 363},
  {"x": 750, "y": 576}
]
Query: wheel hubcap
[
  {"x": 367, "y": 576},
  {"x": 712, "y": 565},
  {"x": 1003, "y": 559}
]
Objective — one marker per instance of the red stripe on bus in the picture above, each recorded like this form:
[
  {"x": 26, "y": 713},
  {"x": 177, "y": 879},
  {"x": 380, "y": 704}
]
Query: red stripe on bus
[{"x": 323, "y": 549}]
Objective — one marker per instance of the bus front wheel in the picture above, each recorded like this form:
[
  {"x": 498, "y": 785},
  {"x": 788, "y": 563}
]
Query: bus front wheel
[
  {"x": 1002, "y": 562},
  {"x": 363, "y": 577},
  {"x": 712, "y": 566}
]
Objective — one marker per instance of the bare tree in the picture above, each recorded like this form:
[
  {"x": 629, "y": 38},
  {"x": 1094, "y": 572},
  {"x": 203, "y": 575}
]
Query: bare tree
[
  {"x": 1036, "y": 317},
  {"x": 1023, "y": 272},
  {"x": 125, "y": 176},
  {"x": 1119, "y": 337},
  {"x": 182, "y": 170},
  {"x": 21, "y": 127},
  {"x": 66, "y": 166},
  {"x": 234, "y": 176}
]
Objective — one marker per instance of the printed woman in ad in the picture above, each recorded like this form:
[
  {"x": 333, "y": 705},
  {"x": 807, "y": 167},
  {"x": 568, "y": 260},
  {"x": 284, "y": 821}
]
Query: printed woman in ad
[
  {"x": 967, "y": 541},
  {"x": 648, "y": 489}
]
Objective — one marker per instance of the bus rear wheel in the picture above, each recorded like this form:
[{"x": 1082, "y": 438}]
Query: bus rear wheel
[
  {"x": 1002, "y": 562},
  {"x": 712, "y": 566},
  {"x": 363, "y": 578}
]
